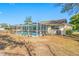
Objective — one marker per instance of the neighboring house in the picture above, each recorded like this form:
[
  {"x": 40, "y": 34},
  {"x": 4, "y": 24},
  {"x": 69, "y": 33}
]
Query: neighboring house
[{"x": 2, "y": 29}]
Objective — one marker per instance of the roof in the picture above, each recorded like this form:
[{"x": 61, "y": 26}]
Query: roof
[{"x": 61, "y": 21}]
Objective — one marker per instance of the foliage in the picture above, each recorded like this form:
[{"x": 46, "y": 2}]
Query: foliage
[
  {"x": 68, "y": 32},
  {"x": 28, "y": 20},
  {"x": 74, "y": 20},
  {"x": 69, "y": 7},
  {"x": 4, "y": 25}
]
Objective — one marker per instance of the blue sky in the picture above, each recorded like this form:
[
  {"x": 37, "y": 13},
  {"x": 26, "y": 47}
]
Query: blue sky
[{"x": 16, "y": 13}]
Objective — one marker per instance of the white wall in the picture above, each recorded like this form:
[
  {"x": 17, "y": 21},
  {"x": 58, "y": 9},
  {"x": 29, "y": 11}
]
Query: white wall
[{"x": 2, "y": 29}]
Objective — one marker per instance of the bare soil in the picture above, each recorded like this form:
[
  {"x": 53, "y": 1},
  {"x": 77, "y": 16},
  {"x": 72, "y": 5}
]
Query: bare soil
[{"x": 38, "y": 46}]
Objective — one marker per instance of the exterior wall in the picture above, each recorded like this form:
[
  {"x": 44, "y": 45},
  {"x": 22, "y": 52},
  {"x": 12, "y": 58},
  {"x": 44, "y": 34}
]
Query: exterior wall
[
  {"x": 49, "y": 30},
  {"x": 62, "y": 29},
  {"x": 68, "y": 27},
  {"x": 53, "y": 31},
  {"x": 2, "y": 29}
]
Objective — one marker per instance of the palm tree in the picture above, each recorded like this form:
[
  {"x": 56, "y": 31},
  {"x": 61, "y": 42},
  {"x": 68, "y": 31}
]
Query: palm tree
[{"x": 28, "y": 20}]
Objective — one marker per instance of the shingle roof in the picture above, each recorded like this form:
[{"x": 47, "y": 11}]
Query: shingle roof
[{"x": 61, "y": 21}]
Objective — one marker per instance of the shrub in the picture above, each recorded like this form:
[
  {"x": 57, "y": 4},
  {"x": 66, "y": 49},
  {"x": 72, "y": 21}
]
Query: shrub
[{"x": 68, "y": 32}]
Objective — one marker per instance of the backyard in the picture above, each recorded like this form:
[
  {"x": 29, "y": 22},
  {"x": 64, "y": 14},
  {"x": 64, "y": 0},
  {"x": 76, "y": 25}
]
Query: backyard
[{"x": 55, "y": 45}]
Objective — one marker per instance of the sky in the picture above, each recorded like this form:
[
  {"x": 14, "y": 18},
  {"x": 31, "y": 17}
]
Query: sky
[{"x": 16, "y": 13}]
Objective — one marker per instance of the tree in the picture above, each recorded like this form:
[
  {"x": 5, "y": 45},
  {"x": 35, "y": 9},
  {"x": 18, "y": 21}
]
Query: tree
[
  {"x": 28, "y": 20},
  {"x": 69, "y": 7},
  {"x": 74, "y": 20},
  {"x": 4, "y": 25}
]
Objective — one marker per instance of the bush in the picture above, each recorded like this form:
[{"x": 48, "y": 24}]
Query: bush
[{"x": 68, "y": 32}]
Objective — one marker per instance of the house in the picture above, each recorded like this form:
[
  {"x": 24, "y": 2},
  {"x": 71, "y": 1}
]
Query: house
[
  {"x": 57, "y": 27},
  {"x": 2, "y": 29},
  {"x": 51, "y": 27}
]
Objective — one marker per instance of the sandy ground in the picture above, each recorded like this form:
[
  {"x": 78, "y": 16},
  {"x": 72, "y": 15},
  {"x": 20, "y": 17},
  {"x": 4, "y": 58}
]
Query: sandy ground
[
  {"x": 55, "y": 45},
  {"x": 43, "y": 46}
]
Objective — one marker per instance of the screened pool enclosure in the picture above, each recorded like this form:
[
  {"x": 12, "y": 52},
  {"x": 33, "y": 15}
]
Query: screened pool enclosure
[{"x": 34, "y": 29}]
